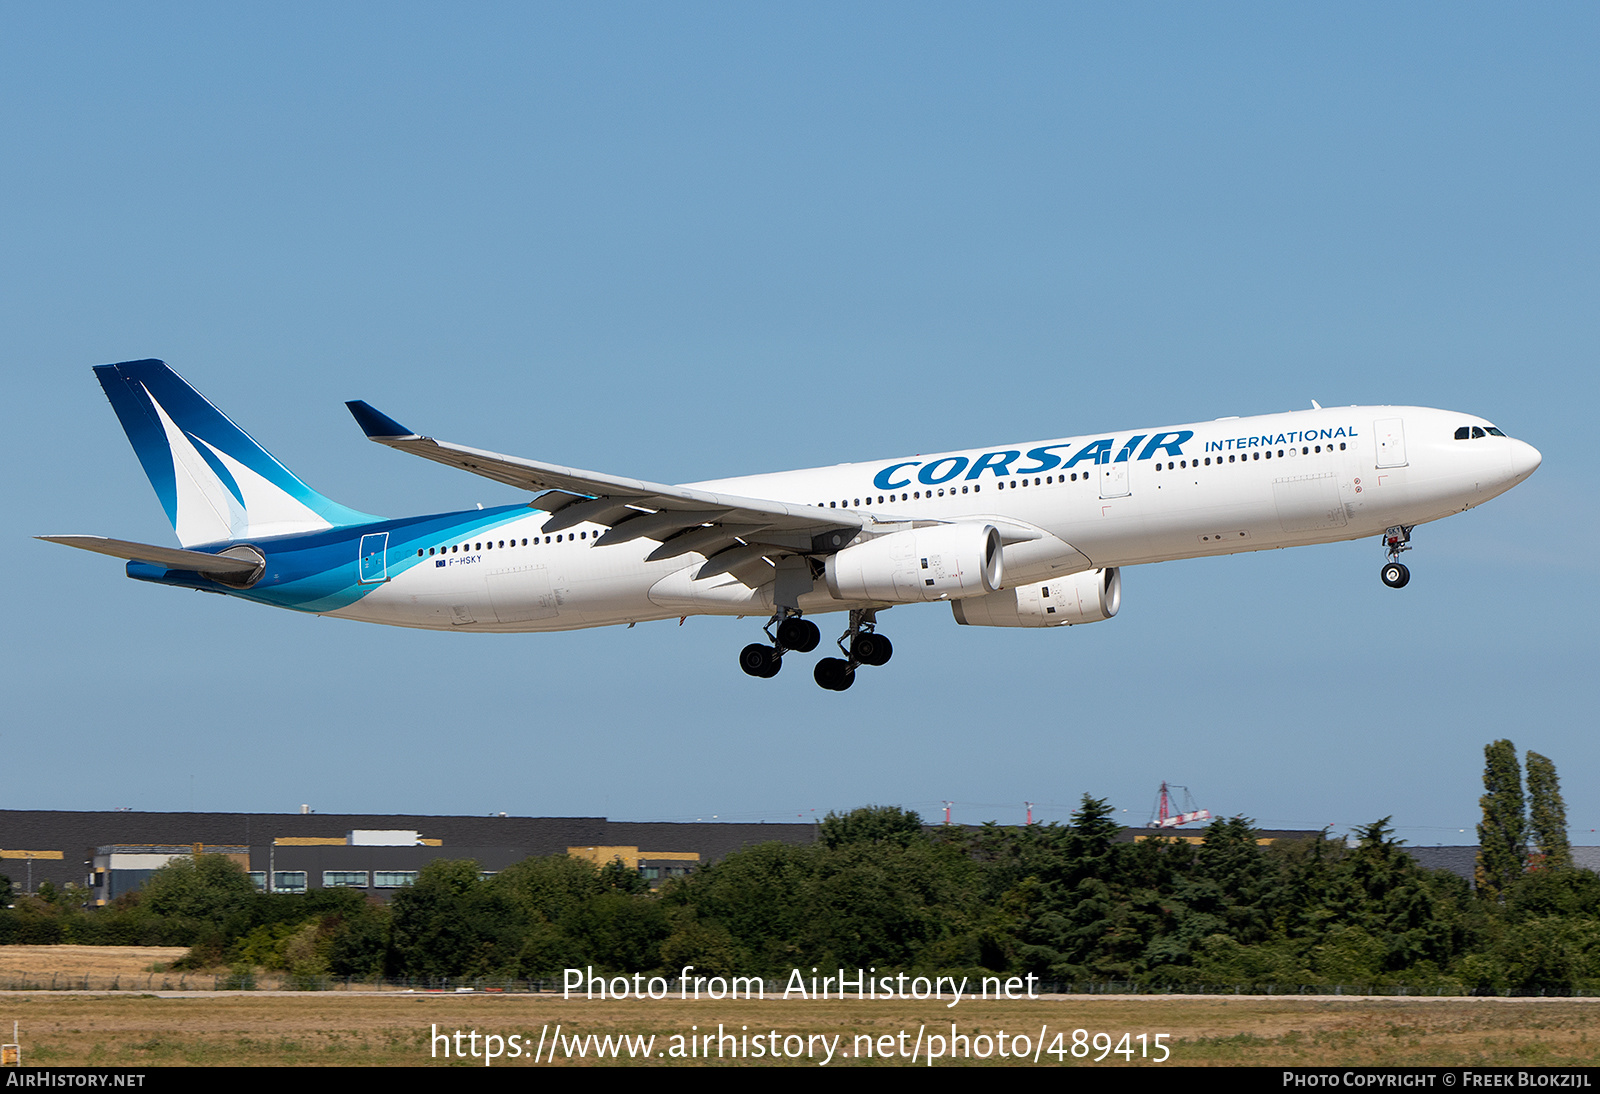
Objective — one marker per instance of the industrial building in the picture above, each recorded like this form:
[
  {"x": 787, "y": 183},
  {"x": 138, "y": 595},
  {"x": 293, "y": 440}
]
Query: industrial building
[{"x": 113, "y": 852}]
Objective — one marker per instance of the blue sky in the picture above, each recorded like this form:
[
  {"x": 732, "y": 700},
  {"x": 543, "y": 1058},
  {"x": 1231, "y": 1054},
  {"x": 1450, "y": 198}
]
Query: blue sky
[{"x": 681, "y": 242}]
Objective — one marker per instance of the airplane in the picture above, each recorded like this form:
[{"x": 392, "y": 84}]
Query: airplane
[{"x": 1024, "y": 535}]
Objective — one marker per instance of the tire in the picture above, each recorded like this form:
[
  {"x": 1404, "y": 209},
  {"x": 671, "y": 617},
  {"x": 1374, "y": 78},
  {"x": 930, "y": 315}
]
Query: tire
[
  {"x": 1395, "y": 575},
  {"x": 832, "y": 673},
  {"x": 800, "y": 635},
  {"x": 871, "y": 649},
  {"x": 760, "y": 661}
]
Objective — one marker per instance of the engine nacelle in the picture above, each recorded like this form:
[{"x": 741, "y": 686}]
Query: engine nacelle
[
  {"x": 1086, "y": 597},
  {"x": 945, "y": 562}
]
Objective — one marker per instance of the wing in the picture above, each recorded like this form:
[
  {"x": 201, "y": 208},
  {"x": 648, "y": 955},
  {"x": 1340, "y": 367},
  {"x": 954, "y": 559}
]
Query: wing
[{"x": 737, "y": 535}]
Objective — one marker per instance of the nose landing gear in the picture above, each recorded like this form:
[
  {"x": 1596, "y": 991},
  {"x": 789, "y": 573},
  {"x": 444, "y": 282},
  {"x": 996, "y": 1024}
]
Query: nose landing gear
[{"x": 1396, "y": 539}]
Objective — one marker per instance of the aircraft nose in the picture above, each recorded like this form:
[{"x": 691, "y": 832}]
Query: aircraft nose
[{"x": 1525, "y": 459}]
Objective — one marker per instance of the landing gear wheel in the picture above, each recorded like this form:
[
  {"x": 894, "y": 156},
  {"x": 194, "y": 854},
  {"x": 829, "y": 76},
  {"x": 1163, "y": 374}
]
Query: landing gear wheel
[
  {"x": 834, "y": 674},
  {"x": 1396, "y": 540},
  {"x": 871, "y": 648},
  {"x": 800, "y": 635},
  {"x": 762, "y": 662}
]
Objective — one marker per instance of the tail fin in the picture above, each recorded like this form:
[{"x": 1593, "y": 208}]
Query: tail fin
[{"x": 213, "y": 480}]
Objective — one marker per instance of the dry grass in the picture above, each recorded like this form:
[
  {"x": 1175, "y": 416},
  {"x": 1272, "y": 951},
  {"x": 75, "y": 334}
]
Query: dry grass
[
  {"x": 394, "y": 1030},
  {"x": 97, "y": 962}
]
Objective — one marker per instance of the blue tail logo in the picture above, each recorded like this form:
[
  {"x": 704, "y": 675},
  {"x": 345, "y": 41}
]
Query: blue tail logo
[{"x": 214, "y": 481}]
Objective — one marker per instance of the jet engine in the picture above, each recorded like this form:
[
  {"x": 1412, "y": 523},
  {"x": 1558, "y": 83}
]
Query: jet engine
[
  {"x": 943, "y": 562},
  {"x": 1086, "y": 597}
]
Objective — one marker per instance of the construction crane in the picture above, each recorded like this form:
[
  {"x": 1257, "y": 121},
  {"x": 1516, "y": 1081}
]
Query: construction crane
[{"x": 1165, "y": 817}]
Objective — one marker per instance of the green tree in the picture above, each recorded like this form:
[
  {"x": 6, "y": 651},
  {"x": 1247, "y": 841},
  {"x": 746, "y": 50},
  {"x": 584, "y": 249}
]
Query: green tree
[
  {"x": 1233, "y": 862},
  {"x": 871, "y": 824},
  {"x": 1548, "y": 814},
  {"x": 452, "y": 923},
  {"x": 206, "y": 889},
  {"x": 1502, "y": 853}
]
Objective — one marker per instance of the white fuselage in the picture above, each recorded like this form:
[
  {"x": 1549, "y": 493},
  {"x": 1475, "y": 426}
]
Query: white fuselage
[{"x": 1089, "y": 502}]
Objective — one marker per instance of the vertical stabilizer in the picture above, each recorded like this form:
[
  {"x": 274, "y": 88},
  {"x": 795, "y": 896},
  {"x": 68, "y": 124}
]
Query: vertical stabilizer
[{"x": 214, "y": 481}]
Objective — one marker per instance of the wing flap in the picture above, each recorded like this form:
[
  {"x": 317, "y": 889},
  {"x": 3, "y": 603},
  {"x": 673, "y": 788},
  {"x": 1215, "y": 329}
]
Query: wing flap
[
  {"x": 705, "y": 541},
  {"x": 659, "y": 525}
]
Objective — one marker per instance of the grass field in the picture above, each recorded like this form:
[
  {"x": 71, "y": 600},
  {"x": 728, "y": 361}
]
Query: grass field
[
  {"x": 320, "y": 1028},
  {"x": 395, "y": 1029}
]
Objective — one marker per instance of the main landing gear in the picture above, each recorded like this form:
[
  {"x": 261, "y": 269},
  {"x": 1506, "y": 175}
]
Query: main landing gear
[
  {"x": 861, "y": 644},
  {"x": 1396, "y": 539},
  {"x": 865, "y": 647},
  {"x": 794, "y": 633}
]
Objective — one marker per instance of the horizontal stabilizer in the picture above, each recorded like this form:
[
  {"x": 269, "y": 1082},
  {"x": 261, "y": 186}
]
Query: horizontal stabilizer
[{"x": 218, "y": 566}]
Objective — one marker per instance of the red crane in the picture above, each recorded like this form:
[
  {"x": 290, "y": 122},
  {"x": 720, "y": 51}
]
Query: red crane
[{"x": 1165, "y": 817}]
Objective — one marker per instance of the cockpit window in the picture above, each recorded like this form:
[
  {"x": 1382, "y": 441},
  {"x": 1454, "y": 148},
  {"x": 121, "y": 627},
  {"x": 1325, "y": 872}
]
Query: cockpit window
[
  {"x": 1463, "y": 433},
  {"x": 1493, "y": 432},
  {"x": 1477, "y": 432}
]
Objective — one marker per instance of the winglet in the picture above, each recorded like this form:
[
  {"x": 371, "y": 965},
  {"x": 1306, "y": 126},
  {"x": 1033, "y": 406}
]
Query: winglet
[{"x": 376, "y": 425}]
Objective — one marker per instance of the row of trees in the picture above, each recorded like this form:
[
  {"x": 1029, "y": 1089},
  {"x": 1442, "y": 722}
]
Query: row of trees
[
  {"x": 1503, "y": 835},
  {"x": 1064, "y": 902}
]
